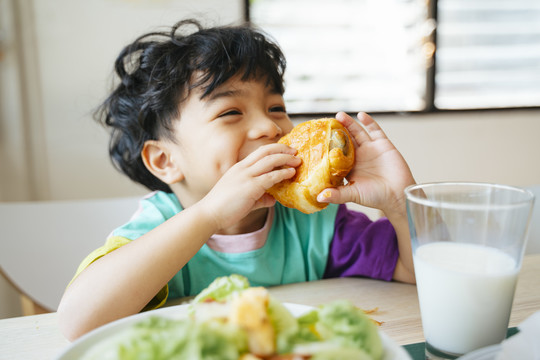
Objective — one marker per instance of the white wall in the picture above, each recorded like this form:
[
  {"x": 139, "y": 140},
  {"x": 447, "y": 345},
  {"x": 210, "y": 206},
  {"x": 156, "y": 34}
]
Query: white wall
[
  {"x": 56, "y": 65},
  {"x": 492, "y": 146},
  {"x": 58, "y": 61}
]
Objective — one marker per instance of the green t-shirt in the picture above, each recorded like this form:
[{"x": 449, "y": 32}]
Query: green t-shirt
[{"x": 296, "y": 249}]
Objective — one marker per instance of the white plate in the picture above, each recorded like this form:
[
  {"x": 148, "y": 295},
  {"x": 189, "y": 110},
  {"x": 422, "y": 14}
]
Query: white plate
[{"x": 392, "y": 351}]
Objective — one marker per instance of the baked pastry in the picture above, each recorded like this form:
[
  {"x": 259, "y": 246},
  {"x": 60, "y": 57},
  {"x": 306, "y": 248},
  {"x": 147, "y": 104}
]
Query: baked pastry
[{"x": 327, "y": 152}]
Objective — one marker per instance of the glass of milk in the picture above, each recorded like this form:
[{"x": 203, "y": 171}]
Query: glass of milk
[{"x": 468, "y": 241}]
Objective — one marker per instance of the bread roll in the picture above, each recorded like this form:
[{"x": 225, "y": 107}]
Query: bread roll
[{"x": 327, "y": 152}]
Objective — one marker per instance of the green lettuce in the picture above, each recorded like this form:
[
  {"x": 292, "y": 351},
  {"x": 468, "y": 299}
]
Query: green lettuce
[
  {"x": 284, "y": 323},
  {"x": 334, "y": 329},
  {"x": 222, "y": 288},
  {"x": 158, "y": 338}
]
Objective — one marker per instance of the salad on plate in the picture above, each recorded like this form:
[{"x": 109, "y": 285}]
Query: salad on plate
[{"x": 231, "y": 320}]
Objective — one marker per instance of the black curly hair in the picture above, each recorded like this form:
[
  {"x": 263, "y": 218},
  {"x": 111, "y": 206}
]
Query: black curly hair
[{"x": 159, "y": 69}]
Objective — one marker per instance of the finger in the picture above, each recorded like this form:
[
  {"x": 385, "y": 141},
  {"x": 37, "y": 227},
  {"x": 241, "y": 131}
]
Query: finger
[
  {"x": 266, "y": 200},
  {"x": 269, "y": 179},
  {"x": 371, "y": 126},
  {"x": 358, "y": 132},
  {"x": 272, "y": 162},
  {"x": 340, "y": 195},
  {"x": 267, "y": 150}
]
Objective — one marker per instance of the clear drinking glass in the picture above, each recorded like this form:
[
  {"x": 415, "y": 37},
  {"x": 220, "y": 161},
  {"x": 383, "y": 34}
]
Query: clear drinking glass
[{"x": 468, "y": 241}]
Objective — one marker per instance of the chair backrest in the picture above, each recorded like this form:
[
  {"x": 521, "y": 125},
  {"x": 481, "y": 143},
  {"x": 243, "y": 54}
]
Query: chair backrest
[
  {"x": 42, "y": 243},
  {"x": 533, "y": 242}
]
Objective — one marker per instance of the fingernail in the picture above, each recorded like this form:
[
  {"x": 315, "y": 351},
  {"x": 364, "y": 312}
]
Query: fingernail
[{"x": 324, "y": 196}]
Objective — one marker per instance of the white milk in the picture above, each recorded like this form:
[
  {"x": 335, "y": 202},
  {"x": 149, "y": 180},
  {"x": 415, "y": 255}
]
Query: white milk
[{"x": 465, "y": 294}]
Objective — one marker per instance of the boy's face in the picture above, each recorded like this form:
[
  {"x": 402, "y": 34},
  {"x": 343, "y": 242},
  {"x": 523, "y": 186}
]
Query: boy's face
[{"x": 216, "y": 132}]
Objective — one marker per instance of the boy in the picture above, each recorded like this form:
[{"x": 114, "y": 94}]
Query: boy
[{"x": 196, "y": 118}]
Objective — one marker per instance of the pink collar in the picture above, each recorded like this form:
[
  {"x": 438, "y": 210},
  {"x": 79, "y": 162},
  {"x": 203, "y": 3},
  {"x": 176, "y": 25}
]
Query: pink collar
[{"x": 242, "y": 242}]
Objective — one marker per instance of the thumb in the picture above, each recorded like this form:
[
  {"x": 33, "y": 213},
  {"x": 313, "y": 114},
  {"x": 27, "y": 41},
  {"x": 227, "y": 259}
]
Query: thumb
[
  {"x": 340, "y": 195},
  {"x": 266, "y": 200}
]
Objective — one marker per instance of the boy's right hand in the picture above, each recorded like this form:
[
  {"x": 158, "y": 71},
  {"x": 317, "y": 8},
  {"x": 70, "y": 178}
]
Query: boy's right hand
[{"x": 242, "y": 188}]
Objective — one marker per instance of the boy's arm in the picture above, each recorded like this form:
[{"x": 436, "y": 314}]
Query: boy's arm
[
  {"x": 124, "y": 281},
  {"x": 378, "y": 180},
  {"x": 404, "y": 268}
]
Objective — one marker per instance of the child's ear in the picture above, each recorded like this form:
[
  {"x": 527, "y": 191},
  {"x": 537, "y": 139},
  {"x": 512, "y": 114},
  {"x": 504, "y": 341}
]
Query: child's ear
[{"x": 158, "y": 160}]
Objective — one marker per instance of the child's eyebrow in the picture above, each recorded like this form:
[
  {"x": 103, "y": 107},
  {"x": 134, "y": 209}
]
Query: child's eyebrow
[
  {"x": 216, "y": 95},
  {"x": 222, "y": 94}
]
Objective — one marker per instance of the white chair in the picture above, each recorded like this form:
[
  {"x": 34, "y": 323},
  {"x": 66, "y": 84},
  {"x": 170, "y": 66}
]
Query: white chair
[
  {"x": 533, "y": 242},
  {"x": 42, "y": 243}
]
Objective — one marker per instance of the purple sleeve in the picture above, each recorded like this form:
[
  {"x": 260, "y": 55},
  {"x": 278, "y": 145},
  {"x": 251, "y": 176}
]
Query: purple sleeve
[{"x": 362, "y": 247}]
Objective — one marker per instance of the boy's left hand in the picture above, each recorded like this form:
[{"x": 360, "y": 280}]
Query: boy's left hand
[{"x": 380, "y": 173}]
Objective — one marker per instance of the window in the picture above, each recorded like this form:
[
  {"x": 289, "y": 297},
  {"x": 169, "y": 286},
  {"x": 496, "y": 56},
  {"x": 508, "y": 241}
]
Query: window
[
  {"x": 379, "y": 56},
  {"x": 488, "y": 54}
]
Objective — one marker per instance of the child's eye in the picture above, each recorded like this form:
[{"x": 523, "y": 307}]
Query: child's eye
[
  {"x": 278, "y": 108},
  {"x": 230, "y": 113}
]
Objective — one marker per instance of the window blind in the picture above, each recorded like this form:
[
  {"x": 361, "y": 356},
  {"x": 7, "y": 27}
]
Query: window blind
[
  {"x": 488, "y": 54},
  {"x": 351, "y": 55}
]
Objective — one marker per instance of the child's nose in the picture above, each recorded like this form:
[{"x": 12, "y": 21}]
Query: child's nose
[{"x": 266, "y": 127}]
